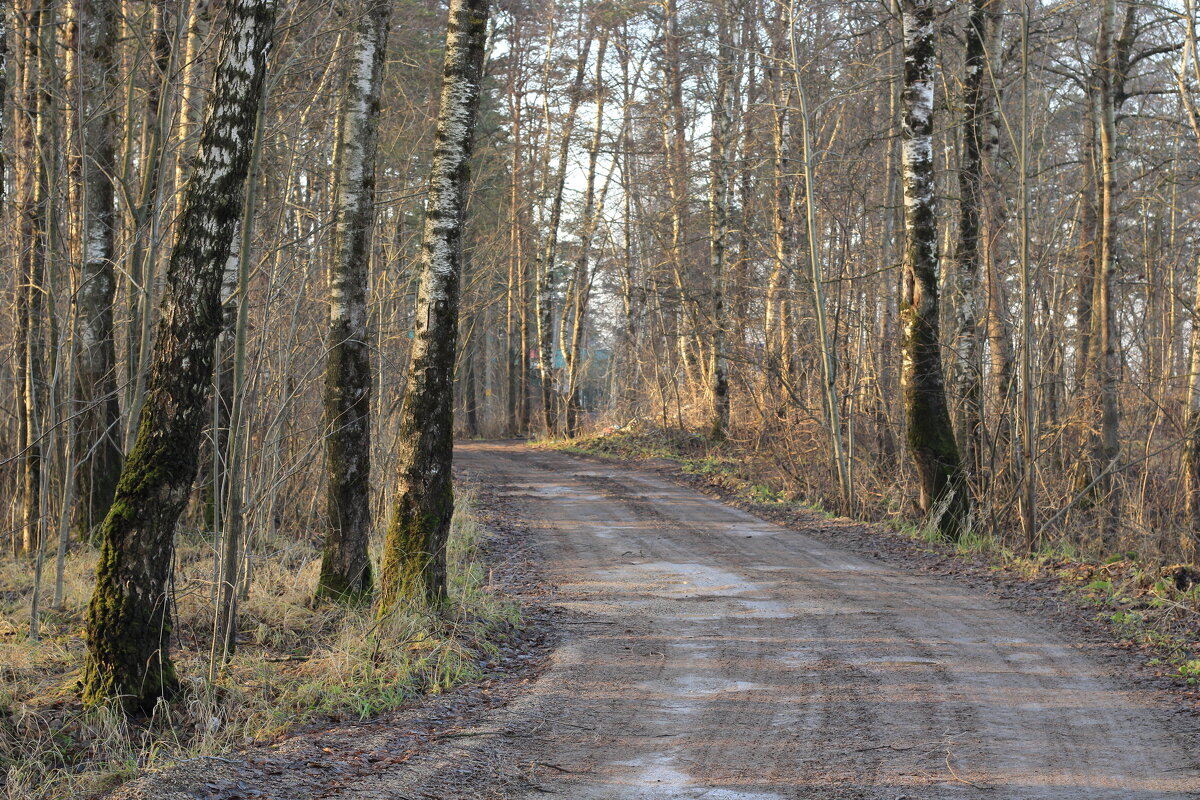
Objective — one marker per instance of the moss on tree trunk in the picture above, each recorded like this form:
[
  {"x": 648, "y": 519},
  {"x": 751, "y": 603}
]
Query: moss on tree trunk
[
  {"x": 128, "y": 618},
  {"x": 414, "y": 556}
]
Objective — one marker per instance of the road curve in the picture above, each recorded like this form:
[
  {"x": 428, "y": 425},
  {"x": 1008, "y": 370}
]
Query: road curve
[{"x": 713, "y": 656}]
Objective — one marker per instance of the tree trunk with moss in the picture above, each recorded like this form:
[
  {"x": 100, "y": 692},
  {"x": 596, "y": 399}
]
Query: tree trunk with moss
[
  {"x": 414, "y": 556},
  {"x": 346, "y": 563},
  {"x": 98, "y": 428},
  {"x": 930, "y": 433},
  {"x": 128, "y": 618}
]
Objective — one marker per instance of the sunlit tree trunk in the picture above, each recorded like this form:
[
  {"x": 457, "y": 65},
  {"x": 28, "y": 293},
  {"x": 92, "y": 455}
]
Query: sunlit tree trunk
[
  {"x": 345, "y": 563},
  {"x": 32, "y": 211},
  {"x": 199, "y": 22},
  {"x": 128, "y": 618},
  {"x": 1104, "y": 363},
  {"x": 943, "y": 492},
  {"x": 1189, "y": 69},
  {"x": 414, "y": 554}
]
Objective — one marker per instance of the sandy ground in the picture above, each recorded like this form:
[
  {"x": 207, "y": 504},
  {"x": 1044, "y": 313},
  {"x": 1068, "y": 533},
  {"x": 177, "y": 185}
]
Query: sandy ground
[{"x": 709, "y": 655}]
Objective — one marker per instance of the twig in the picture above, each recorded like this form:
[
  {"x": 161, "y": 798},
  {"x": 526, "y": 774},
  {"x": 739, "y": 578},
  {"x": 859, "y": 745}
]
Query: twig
[
  {"x": 556, "y": 767},
  {"x": 946, "y": 742}
]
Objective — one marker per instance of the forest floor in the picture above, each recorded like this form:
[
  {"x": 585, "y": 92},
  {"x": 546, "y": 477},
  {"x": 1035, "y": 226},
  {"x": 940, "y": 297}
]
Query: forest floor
[
  {"x": 678, "y": 647},
  {"x": 299, "y": 665}
]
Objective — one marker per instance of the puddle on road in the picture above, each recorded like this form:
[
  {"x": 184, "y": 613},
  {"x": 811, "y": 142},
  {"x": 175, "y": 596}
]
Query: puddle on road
[
  {"x": 551, "y": 491},
  {"x": 752, "y": 530},
  {"x": 698, "y": 684},
  {"x": 657, "y": 777}
]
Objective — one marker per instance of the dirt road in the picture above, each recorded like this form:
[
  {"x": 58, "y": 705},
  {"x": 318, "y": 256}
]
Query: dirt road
[
  {"x": 718, "y": 657},
  {"x": 708, "y": 655}
]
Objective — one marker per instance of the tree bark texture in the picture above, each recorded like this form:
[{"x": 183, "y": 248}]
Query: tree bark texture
[
  {"x": 414, "y": 556},
  {"x": 345, "y": 563},
  {"x": 128, "y": 618},
  {"x": 943, "y": 492}
]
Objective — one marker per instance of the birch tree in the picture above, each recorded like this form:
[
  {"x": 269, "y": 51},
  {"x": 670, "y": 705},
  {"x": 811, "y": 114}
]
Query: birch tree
[
  {"x": 977, "y": 133},
  {"x": 943, "y": 493},
  {"x": 414, "y": 555},
  {"x": 128, "y": 618},
  {"x": 345, "y": 564},
  {"x": 98, "y": 429}
]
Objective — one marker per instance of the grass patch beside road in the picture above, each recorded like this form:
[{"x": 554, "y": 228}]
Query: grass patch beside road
[{"x": 296, "y": 664}]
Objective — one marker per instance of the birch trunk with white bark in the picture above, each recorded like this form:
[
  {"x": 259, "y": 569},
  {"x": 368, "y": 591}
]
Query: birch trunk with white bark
[
  {"x": 943, "y": 492},
  {"x": 414, "y": 553},
  {"x": 345, "y": 563},
  {"x": 129, "y": 619}
]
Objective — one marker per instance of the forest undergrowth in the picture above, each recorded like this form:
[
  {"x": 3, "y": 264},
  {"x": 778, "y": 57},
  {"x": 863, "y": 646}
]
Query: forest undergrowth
[
  {"x": 1150, "y": 603},
  {"x": 296, "y": 663}
]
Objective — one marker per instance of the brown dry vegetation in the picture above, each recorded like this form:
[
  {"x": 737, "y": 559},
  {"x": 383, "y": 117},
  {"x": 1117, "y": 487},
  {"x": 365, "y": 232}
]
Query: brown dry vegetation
[{"x": 296, "y": 664}]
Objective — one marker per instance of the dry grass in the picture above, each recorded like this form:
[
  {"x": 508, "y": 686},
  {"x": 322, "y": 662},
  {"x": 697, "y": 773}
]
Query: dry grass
[{"x": 296, "y": 663}]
